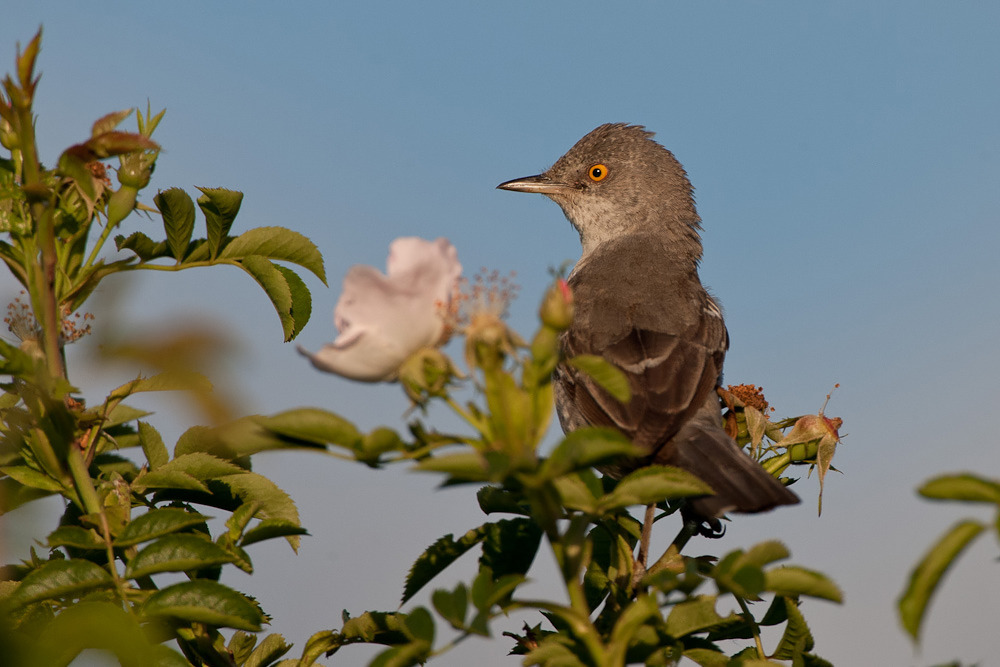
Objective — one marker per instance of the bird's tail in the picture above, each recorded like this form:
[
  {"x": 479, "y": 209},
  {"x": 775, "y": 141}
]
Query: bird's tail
[{"x": 703, "y": 448}]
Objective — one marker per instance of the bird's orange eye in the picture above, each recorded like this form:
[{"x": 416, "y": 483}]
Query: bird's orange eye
[{"x": 598, "y": 172}]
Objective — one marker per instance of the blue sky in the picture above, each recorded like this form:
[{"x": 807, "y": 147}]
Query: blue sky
[{"x": 845, "y": 159}]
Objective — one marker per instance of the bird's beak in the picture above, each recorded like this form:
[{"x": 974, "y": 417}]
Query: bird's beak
[{"x": 541, "y": 184}]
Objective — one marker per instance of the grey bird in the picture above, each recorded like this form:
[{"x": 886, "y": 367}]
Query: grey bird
[{"x": 640, "y": 304}]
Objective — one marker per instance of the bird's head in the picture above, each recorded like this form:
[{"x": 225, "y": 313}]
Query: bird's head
[{"x": 616, "y": 180}]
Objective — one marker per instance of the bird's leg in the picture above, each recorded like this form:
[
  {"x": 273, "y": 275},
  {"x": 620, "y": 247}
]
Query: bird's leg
[{"x": 639, "y": 568}]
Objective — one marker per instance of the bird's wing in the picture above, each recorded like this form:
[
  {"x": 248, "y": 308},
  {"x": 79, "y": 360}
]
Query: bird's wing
[{"x": 663, "y": 331}]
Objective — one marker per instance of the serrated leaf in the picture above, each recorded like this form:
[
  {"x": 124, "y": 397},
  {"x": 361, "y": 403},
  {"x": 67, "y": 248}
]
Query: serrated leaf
[
  {"x": 204, "y": 601},
  {"x": 167, "y": 479},
  {"x": 277, "y": 243},
  {"x": 301, "y": 300},
  {"x": 439, "y": 556},
  {"x": 152, "y": 446},
  {"x": 59, "y": 579},
  {"x": 271, "y": 528},
  {"x": 653, "y": 484},
  {"x": 965, "y": 487},
  {"x": 275, "y": 286},
  {"x": 797, "y": 638},
  {"x": 177, "y": 210},
  {"x": 220, "y": 207},
  {"x": 157, "y": 523},
  {"x": 315, "y": 426},
  {"x": 274, "y": 503},
  {"x": 176, "y": 553},
  {"x": 609, "y": 377},
  {"x": 144, "y": 247},
  {"x": 792, "y": 581},
  {"x": 202, "y": 466},
  {"x": 926, "y": 576},
  {"x": 273, "y": 647},
  {"x": 584, "y": 448}
]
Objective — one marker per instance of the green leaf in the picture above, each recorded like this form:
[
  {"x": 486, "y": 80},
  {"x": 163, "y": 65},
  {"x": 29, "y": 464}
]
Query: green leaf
[
  {"x": 204, "y": 601},
  {"x": 574, "y": 494},
  {"x": 313, "y": 425},
  {"x": 584, "y": 448},
  {"x": 157, "y": 523},
  {"x": 163, "y": 479},
  {"x": 694, "y": 615},
  {"x": 272, "y": 648},
  {"x": 609, "y": 377},
  {"x": 301, "y": 299},
  {"x": 462, "y": 466},
  {"x": 274, "y": 503},
  {"x": 202, "y": 466},
  {"x": 792, "y": 581},
  {"x": 797, "y": 638},
  {"x": 926, "y": 576},
  {"x": 510, "y": 546},
  {"x": 33, "y": 478},
  {"x": 452, "y": 606},
  {"x": 707, "y": 657},
  {"x": 220, "y": 207},
  {"x": 420, "y": 625},
  {"x": 275, "y": 286},
  {"x": 271, "y": 528},
  {"x": 176, "y": 553},
  {"x": 177, "y": 210},
  {"x": 277, "y": 243},
  {"x": 144, "y": 247},
  {"x": 15, "y": 362},
  {"x": 59, "y": 579},
  {"x": 495, "y": 499},
  {"x": 95, "y": 625},
  {"x": 653, "y": 484},
  {"x": 166, "y": 381},
  {"x": 439, "y": 556},
  {"x": 152, "y": 446},
  {"x": 763, "y": 554},
  {"x": 76, "y": 537},
  {"x": 966, "y": 487}
]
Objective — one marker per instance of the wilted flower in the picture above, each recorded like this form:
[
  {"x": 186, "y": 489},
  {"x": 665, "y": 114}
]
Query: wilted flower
[{"x": 383, "y": 319}]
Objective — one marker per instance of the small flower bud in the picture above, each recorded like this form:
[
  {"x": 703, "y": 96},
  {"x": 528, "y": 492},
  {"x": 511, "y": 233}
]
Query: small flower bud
[
  {"x": 425, "y": 374},
  {"x": 135, "y": 170},
  {"x": 557, "y": 306}
]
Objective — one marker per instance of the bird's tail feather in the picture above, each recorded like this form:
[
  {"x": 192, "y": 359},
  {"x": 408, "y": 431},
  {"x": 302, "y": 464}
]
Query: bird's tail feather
[{"x": 740, "y": 483}]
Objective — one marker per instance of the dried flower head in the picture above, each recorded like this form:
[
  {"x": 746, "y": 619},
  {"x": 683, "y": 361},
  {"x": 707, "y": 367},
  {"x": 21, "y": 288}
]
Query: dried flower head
[{"x": 751, "y": 395}]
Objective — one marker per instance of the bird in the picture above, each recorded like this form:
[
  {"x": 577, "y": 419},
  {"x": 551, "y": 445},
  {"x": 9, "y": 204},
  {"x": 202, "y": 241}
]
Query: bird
[{"x": 640, "y": 304}]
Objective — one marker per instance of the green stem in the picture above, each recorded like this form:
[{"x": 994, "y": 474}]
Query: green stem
[
  {"x": 92, "y": 505},
  {"x": 101, "y": 240},
  {"x": 467, "y": 416},
  {"x": 579, "y": 624},
  {"x": 754, "y": 628}
]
